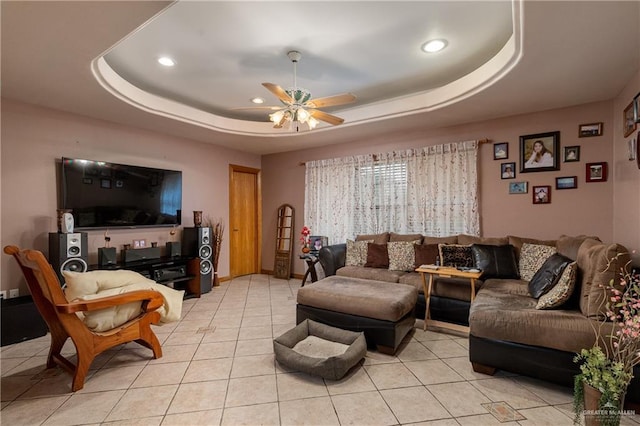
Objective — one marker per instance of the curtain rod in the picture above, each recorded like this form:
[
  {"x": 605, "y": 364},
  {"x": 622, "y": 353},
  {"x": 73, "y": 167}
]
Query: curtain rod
[{"x": 480, "y": 142}]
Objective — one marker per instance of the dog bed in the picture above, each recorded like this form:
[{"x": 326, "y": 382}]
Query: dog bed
[{"x": 319, "y": 349}]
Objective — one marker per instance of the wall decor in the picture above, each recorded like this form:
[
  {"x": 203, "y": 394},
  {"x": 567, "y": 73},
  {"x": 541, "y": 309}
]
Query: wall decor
[
  {"x": 518, "y": 187},
  {"x": 632, "y": 145},
  {"x": 596, "y": 172},
  {"x": 636, "y": 108},
  {"x": 638, "y": 149},
  {"x": 571, "y": 154},
  {"x": 501, "y": 151},
  {"x": 541, "y": 194},
  {"x": 628, "y": 120},
  {"x": 539, "y": 152},
  {"x": 567, "y": 182},
  {"x": 590, "y": 129},
  {"x": 105, "y": 183},
  {"x": 508, "y": 170}
]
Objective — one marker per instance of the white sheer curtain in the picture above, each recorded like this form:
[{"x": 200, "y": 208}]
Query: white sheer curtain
[{"x": 432, "y": 191}]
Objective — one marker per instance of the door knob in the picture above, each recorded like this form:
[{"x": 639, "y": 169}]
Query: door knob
[{"x": 235, "y": 230}]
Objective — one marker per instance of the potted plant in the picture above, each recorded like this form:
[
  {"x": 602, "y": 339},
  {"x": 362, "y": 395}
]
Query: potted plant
[
  {"x": 606, "y": 369},
  {"x": 304, "y": 239}
]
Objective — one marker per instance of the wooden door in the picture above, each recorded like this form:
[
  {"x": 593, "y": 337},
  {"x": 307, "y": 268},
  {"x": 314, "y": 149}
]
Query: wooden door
[{"x": 245, "y": 220}]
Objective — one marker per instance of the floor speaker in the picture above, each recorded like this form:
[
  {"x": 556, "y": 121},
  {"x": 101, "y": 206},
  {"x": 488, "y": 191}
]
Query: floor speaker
[
  {"x": 68, "y": 252},
  {"x": 197, "y": 242}
]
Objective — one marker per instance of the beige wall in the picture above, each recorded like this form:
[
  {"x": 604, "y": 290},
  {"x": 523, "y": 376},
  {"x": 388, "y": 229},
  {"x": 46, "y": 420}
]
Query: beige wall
[
  {"x": 585, "y": 210},
  {"x": 626, "y": 211},
  {"x": 33, "y": 138}
]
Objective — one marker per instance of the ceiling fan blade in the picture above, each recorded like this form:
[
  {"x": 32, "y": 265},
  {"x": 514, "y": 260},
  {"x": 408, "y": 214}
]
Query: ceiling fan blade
[
  {"x": 279, "y": 124},
  {"x": 331, "y": 119},
  {"x": 344, "y": 98},
  {"x": 279, "y": 92},
  {"x": 270, "y": 108}
]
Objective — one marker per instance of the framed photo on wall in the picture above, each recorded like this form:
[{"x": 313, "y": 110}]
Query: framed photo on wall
[
  {"x": 629, "y": 120},
  {"x": 508, "y": 170},
  {"x": 501, "y": 151},
  {"x": 541, "y": 194},
  {"x": 590, "y": 129},
  {"x": 518, "y": 187},
  {"x": 539, "y": 152},
  {"x": 567, "y": 182},
  {"x": 596, "y": 172},
  {"x": 571, "y": 154}
]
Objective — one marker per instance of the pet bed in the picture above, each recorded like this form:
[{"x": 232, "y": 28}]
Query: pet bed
[{"x": 319, "y": 349}]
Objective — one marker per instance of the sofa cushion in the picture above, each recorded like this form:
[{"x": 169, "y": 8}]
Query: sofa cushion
[
  {"x": 425, "y": 254},
  {"x": 452, "y": 288},
  {"x": 370, "y": 273},
  {"x": 377, "y": 256},
  {"x": 532, "y": 257},
  {"x": 440, "y": 240},
  {"x": 465, "y": 239},
  {"x": 561, "y": 292},
  {"x": 382, "y": 238},
  {"x": 455, "y": 255},
  {"x": 495, "y": 261},
  {"x": 507, "y": 286},
  {"x": 401, "y": 255},
  {"x": 569, "y": 246},
  {"x": 405, "y": 237},
  {"x": 356, "y": 252},
  {"x": 512, "y": 318},
  {"x": 517, "y": 243},
  {"x": 599, "y": 264},
  {"x": 548, "y": 275}
]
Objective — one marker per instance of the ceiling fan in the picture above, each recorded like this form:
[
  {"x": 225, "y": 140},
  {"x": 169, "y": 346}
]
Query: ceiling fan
[{"x": 299, "y": 107}]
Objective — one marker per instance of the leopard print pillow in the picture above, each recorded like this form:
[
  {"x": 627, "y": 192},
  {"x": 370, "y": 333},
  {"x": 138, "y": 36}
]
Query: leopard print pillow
[
  {"x": 401, "y": 255},
  {"x": 456, "y": 255},
  {"x": 532, "y": 257},
  {"x": 356, "y": 252}
]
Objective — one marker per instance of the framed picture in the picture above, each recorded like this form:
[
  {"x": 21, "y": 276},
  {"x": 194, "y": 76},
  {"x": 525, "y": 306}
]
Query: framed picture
[
  {"x": 636, "y": 108},
  {"x": 539, "y": 152},
  {"x": 590, "y": 129},
  {"x": 87, "y": 181},
  {"x": 501, "y": 151},
  {"x": 105, "y": 183},
  {"x": 633, "y": 148},
  {"x": 542, "y": 194},
  {"x": 567, "y": 182},
  {"x": 518, "y": 187},
  {"x": 571, "y": 154},
  {"x": 316, "y": 242},
  {"x": 638, "y": 149},
  {"x": 629, "y": 120},
  {"x": 508, "y": 170},
  {"x": 596, "y": 172}
]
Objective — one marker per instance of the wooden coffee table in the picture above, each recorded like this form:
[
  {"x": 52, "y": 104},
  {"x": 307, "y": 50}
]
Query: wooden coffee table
[{"x": 449, "y": 272}]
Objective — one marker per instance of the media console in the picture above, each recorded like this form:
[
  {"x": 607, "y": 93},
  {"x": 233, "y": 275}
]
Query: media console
[{"x": 180, "y": 272}]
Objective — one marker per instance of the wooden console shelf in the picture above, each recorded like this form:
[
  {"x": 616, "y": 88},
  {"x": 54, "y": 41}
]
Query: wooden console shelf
[{"x": 175, "y": 272}]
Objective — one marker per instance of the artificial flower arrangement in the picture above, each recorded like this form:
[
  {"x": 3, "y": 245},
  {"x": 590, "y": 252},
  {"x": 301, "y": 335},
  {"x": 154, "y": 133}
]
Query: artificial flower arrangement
[
  {"x": 304, "y": 238},
  {"x": 609, "y": 367}
]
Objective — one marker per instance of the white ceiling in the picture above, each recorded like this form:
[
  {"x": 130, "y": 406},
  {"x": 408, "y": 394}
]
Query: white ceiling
[{"x": 566, "y": 53}]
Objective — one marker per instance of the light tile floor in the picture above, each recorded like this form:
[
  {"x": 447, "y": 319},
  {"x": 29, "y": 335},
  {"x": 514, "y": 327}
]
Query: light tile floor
[{"x": 218, "y": 368}]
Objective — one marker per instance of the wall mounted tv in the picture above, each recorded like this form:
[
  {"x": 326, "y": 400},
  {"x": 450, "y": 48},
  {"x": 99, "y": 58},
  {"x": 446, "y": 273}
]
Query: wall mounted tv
[{"x": 107, "y": 195}]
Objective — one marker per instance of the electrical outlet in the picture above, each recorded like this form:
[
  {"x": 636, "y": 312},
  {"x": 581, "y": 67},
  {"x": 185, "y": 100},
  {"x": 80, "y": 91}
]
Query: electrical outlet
[
  {"x": 3, "y": 294},
  {"x": 14, "y": 292}
]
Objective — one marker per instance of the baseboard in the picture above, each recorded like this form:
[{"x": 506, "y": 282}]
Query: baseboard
[{"x": 270, "y": 272}]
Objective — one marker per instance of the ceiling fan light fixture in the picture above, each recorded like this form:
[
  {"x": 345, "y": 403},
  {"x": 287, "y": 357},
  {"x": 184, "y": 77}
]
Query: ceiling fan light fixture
[
  {"x": 302, "y": 115},
  {"x": 433, "y": 46}
]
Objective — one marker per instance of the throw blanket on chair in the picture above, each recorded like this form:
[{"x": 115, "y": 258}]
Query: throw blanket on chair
[{"x": 98, "y": 284}]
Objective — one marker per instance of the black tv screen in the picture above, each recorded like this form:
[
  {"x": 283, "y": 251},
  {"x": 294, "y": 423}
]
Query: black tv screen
[{"x": 108, "y": 195}]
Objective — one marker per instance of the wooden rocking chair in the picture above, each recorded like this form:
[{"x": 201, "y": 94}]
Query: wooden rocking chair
[{"x": 60, "y": 316}]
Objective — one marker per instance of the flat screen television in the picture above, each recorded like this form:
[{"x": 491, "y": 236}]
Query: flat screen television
[{"x": 107, "y": 195}]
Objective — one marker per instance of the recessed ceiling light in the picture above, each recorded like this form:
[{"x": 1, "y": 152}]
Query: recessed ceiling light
[
  {"x": 166, "y": 61},
  {"x": 434, "y": 45},
  {"x": 257, "y": 100}
]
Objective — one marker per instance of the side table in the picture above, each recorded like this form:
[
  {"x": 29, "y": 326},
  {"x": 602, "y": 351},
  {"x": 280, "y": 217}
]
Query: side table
[
  {"x": 445, "y": 271},
  {"x": 311, "y": 260}
]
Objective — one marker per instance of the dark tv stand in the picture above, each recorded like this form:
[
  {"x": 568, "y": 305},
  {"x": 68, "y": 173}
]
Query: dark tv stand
[{"x": 180, "y": 272}]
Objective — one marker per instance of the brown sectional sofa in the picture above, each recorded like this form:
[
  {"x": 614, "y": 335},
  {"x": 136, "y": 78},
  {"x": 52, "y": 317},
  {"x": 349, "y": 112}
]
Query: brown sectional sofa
[{"x": 506, "y": 330}]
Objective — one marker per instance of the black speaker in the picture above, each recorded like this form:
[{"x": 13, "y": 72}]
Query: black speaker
[
  {"x": 107, "y": 256},
  {"x": 68, "y": 252},
  {"x": 20, "y": 321},
  {"x": 197, "y": 242},
  {"x": 174, "y": 248}
]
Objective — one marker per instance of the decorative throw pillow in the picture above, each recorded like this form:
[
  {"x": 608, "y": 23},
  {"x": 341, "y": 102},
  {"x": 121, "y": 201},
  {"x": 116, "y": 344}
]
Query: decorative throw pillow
[
  {"x": 456, "y": 255},
  {"x": 356, "y": 252},
  {"x": 401, "y": 255},
  {"x": 425, "y": 254},
  {"x": 532, "y": 256},
  {"x": 495, "y": 261},
  {"x": 377, "y": 256},
  {"x": 548, "y": 275},
  {"x": 562, "y": 291}
]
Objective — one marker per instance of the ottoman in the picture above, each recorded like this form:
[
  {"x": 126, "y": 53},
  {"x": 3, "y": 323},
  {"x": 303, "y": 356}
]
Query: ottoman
[{"x": 385, "y": 312}]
